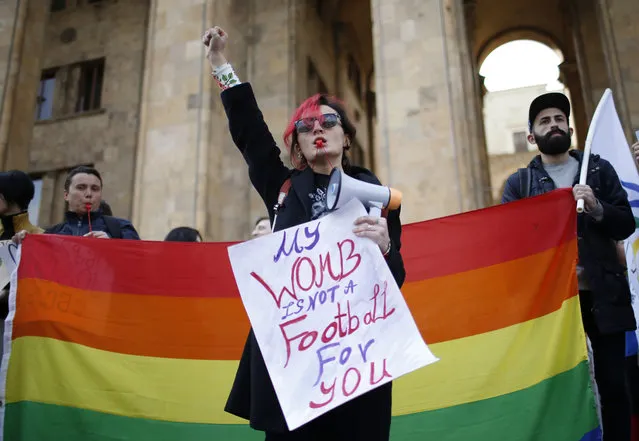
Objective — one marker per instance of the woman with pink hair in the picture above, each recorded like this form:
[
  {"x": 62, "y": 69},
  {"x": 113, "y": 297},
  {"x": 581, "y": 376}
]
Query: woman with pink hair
[{"x": 317, "y": 138}]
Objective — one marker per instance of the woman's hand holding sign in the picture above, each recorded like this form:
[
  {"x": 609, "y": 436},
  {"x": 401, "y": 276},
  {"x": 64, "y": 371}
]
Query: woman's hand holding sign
[{"x": 376, "y": 229}]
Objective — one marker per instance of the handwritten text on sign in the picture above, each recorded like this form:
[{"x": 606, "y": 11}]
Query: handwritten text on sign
[
  {"x": 327, "y": 314},
  {"x": 8, "y": 261}
]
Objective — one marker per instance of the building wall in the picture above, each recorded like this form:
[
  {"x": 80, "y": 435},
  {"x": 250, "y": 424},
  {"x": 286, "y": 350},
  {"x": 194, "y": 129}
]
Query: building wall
[
  {"x": 342, "y": 62},
  {"x": 623, "y": 16},
  {"x": 8, "y": 22},
  {"x": 22, "y": 74},
  {"x": 502, "y": 166},
  {"x": 505, "y": 113},
  {"x": 160, "y": 135},
  {"x": 590, "y": 53},
  {"x": 273, "y": 44},
  {"x": 105, "y": 137},
  {"x": 428, "y": 141}
]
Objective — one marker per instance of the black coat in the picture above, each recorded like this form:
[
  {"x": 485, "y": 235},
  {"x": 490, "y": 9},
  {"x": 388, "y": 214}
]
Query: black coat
[
  {"x": 253, "y": 396},
  {"x": 78, "y": 225},
  {"x": 606, "y": 307}
]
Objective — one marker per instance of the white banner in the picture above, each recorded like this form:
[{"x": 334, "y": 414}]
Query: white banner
[
  {"x": 8, "y": 257},
  {"x": 327, "y": 314},
  {"x": 609, "y": 142}
]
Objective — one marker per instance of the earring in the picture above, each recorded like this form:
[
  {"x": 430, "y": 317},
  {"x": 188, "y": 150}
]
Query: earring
[{"x": 299, "y": 155}]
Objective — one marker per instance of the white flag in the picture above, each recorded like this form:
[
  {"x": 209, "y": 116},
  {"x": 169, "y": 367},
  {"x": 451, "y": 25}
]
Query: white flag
[{"x": 609, "y": 142}]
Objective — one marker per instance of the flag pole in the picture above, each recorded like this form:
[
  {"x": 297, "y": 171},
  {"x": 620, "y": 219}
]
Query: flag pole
[{"x": 591, "y": 134}]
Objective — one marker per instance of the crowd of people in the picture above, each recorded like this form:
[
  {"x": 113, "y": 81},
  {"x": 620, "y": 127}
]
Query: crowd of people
[
  {"x": 317, "y": 139},
  {"x": 86, "y": 215}
]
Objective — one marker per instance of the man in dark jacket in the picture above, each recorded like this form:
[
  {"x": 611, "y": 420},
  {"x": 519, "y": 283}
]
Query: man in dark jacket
[
  {"x": 84, "y": 217},
  {"x": 603, "y": 288}
]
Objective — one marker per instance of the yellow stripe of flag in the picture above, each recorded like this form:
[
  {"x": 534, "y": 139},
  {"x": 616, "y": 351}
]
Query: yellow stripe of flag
[{"x": 471, "y": 369}]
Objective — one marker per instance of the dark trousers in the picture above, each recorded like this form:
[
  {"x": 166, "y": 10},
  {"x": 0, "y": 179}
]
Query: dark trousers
[
  {"x": 322, "y": 430},
  {"x": 308, "y": 432},
  {"x": 366, "y": 418},
  {"x": 609, "y": 354}
]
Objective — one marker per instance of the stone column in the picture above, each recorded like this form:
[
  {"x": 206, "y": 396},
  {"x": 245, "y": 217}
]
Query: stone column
[
  {"x": 581, "y": 59},
  {"x": 617, "y": 24},
  {"x": 189, "y": 171},
  {"x": 22, "y": 36},
  {"x": 12, "y": 16},
  {"x": 171, "y": 163},
  {"x": 425, "y": 122},
  {"x": 263, "y": 54},
  {"x": 475, "y": 95},
  {"x": 624, "y": 17},
  {"x": 276, "y": 76},
  {"x": 589, "y": 52},
  {"x": 569, "y": 75}
]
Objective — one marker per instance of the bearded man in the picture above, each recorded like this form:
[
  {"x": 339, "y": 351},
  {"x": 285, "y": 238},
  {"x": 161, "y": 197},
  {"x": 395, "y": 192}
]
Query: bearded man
[{"x": 604, "y": 293}]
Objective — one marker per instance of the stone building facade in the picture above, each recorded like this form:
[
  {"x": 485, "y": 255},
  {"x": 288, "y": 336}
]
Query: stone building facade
[{"x": 123, "y": 85}]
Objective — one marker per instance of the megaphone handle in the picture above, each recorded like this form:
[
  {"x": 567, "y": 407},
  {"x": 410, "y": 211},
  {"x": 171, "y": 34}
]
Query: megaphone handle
[{"x": 375, "y": 209}]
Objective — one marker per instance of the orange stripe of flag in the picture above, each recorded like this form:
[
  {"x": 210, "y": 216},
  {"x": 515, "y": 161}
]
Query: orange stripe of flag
[
  {"x": 444, "y": 308},
  {"x": 170, "y": 327},
  {"x": 491, "y": 298}
]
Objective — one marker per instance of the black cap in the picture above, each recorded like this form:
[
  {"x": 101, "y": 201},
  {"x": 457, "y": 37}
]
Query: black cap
[
  {"x": 547, "y": 101},
  {"x": 17, "y": 187}
]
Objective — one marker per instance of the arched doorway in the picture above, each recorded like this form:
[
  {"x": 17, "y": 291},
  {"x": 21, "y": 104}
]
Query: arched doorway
[{"x": 514, "y": 73}]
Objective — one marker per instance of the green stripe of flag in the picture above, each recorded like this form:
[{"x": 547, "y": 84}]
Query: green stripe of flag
[
  {"x": 29, "y": 421},
  {"x": 559, "y": 409}
]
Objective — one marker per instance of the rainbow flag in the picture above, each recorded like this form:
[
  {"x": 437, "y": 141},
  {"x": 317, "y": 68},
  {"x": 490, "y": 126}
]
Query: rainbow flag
[{"x": 111, "y": 339}]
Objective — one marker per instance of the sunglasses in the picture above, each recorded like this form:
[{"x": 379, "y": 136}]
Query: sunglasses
[{"x": 327, "y": 121}]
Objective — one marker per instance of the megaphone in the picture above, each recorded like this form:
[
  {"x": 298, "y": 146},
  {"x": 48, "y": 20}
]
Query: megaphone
[{"x": 342, "y": 188}]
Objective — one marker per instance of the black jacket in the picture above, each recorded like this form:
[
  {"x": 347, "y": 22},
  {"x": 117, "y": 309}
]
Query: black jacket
[
  {"x": 253, "y": 396},
  {"x": 607, "y": 307},
  {"x": 75, "y": 225}
]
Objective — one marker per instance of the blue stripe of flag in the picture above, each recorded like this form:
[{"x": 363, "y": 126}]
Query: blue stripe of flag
[
  {"x": 594, "y": 435},
  {"x": 632, "y": 347},
  {"x": 630, "y": 185}
]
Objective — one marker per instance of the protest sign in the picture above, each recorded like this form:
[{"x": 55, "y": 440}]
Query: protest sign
[
  {"x": 8, "y": 258},
  {"x": 327, "y": 314}
]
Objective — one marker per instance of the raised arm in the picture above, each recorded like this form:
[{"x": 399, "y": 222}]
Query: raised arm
[{"x": 246, "y": 122}]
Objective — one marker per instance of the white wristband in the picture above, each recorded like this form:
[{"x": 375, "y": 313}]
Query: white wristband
[{"x": 225, "y": 76}]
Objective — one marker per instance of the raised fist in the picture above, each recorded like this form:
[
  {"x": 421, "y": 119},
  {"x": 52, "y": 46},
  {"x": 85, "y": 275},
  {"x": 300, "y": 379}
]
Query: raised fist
[
  {"x": 214, "y": 40},
  {"x": 635, "y": 151}
]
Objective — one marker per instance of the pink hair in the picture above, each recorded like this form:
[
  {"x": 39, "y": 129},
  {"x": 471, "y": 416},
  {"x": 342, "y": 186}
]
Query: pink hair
[{"x": 310, "y": 107}]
